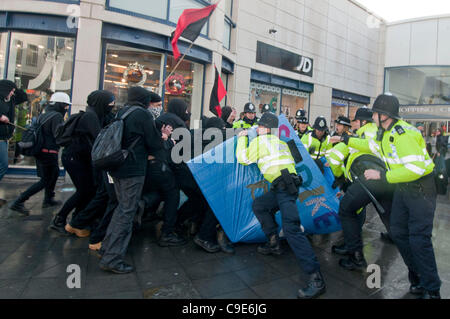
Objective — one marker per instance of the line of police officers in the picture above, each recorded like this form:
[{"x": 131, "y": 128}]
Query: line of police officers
[{"x": 384, "y": 161}]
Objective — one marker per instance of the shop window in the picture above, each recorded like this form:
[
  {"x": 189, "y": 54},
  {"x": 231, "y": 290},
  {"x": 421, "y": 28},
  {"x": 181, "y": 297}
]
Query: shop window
[
  {"x": 3, "y": 43},
  {"x": 51, "y": 71},
  {"x": 185, "y": 83},
  {"x": 32, "y": 55},
  {"x": 345, "y": 108},
  {"x": 292, "y": 102},
  {"x": 151, "y": 8},
  {"x": 125, "y": 67},
  {"x": 261, "y": 94},
  {"x": 419, "y": 85}
]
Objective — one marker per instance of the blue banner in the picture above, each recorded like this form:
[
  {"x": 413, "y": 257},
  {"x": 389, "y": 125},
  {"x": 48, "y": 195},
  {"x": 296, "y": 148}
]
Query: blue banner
[{"x": 231, "y": 188}]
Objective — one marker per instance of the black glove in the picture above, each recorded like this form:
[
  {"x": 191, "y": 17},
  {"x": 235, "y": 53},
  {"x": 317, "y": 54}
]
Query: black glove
[
  {"x": 339, "y": 182},
  {"x": 320, "y": 165}
]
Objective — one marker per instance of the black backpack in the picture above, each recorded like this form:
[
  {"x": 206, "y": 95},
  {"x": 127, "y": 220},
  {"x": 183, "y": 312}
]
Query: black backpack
[
  {"x": 107, "y": 153},
  {"x": 33, "y": 139},
  {"x": 65, "y": 131}
]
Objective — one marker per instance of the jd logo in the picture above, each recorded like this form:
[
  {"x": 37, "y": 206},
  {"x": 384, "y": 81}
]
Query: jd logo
[
  {"x": 374, "y": 280},
  {"x": 74, "y": 279}
]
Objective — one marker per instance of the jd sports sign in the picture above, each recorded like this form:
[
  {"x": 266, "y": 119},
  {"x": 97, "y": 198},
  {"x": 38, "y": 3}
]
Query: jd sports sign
[{"x": 282, "y": 59}]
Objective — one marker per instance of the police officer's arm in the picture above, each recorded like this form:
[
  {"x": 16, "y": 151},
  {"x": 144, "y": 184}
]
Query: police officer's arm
[
  {"x": 412, "y": 157},
  {"x": 307, "y": 141},
  {"x": 336, "y": 158},
  {"x": 250, "y": 155},
  {"x": 362, "y": 145}
]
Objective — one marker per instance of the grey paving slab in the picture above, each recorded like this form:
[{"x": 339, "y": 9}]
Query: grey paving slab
[{"x": 219, "y": 285}]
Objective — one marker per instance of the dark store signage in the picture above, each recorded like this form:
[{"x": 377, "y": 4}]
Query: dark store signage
[{"x": 282, "y": 59}]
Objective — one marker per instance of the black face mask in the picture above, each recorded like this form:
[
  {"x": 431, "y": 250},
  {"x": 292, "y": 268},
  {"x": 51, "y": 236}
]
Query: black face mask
[{"x": 186, "y": 117}]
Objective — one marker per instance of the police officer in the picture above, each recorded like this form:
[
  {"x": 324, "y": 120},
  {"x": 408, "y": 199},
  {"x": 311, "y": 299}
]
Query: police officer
[
  {"x": 317, "y": 142},
  {"x": 266, "y": 108},
  {"x": 302, "y": 123},
  {"x": 349, "y": 165},
  {"x": 343, "y": 126},
  {"x": 410, "y": 169},
  {"x": 277, "y": 164},
  {"x": 249, "y": 119}
]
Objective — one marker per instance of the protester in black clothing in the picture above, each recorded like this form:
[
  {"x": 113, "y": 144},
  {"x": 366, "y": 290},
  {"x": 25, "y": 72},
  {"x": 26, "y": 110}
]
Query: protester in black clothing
[
  {"x": 210, "y": 237},
  {"x": 76, "y": 158},
  {"x": 441, "y": 142},
  {"x": 228, "y": 116},
  {"x": 47, "y": 160},
  {"x": 140, "y": 130},
  {"x": 161, "y": 179},
  {"x": 10, "y": 96},
  {"x": 102, "y": 103}
]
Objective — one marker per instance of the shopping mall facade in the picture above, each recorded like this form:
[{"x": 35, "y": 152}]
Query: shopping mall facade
[{"x": 328, "y": 57}]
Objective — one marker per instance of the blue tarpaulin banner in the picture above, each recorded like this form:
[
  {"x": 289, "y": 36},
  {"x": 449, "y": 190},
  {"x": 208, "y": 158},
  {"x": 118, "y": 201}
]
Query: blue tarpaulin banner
[{"x": 230, "y": 189}]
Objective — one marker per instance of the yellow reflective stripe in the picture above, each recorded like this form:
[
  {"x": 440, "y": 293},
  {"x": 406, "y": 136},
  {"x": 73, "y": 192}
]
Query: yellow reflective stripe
[
  {"x": 243, "y": 157},
  {"x": 415, "y": 169},
  {"x": 338, "y": 154},
  {"x": 266, "y": 167},
  {"x": 412, "y": 158}
]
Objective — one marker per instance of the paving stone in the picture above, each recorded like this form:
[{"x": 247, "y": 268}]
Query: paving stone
[{"x": 218, "y": 285}]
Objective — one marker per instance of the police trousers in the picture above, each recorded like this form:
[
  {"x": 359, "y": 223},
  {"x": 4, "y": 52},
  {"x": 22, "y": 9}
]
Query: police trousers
[
  {"x": 412, "y": 218},
  {"x": 265, "y": 208},
  {"x": 354, "y": 199}
]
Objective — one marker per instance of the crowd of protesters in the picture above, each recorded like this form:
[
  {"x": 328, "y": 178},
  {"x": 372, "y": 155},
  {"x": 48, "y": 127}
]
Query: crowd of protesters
[{"x": 108, "y": 205}]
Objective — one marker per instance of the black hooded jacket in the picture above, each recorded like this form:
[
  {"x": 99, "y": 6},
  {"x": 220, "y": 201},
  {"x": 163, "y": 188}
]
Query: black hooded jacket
[
  {"x": 90, "y": 124},
  {"x": 8, "y": 108},
  {"x": 53, "y": 117}
]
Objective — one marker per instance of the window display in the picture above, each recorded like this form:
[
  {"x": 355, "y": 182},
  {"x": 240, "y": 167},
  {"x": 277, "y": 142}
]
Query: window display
[
  {"x": 261, "y": 94},
  {"x": 40, "y": 65},
  {"x": 292, "y": 102}
]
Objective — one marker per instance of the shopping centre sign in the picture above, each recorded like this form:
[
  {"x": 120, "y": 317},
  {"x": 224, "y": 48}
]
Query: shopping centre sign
[{"x": 428, "y": 111}]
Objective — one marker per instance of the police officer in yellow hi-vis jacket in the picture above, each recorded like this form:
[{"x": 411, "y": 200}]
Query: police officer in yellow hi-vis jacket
[
  {"x": 403, "y": 149},
  {"x": 250, "y": 120},
  {"x": 276, "y": 163},
  {"x": 348, "y": 166}
]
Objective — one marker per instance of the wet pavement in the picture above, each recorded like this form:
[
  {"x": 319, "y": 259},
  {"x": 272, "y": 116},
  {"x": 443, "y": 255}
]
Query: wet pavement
[{"x": 34, "y": 260}]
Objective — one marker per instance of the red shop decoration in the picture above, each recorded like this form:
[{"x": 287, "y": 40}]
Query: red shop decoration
[{"x": 175, "y": 84}]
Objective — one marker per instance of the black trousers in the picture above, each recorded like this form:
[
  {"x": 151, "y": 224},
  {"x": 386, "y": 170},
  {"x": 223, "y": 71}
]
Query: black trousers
[
  {"x": 266, "y": 206},
  {"x": 96, "y": 207},
  {"x": 194, "y": 207},
  {"x": 99, "y": 233},
  {"x": 354, "y": 199},
  {"x": 82, "y": 175},
  {"x": 412, "y": 226},
  {"x": 118, "y": 235},
  {"x": 160, "y": 179},
  {"x": 48, "y": 170},
  {"x": 208, "y": 228}
]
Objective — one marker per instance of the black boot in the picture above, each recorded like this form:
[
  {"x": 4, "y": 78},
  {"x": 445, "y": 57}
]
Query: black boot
[
  {"x": 58, "y": 224},
  {"x": 431, "y": 295},
  {"x": 208, "y": 246},
  {"x": 340, "y": 250},
  {"x": 50, "y": 203},
  {"x": 224, "y": 242},
  {"x": 172, "y": 240},
  {"x": 272, "y": 247},
  {"x": 354, "y": 261},
  {"x": 415, "y": 288},
  {"x": 316, "y": 287},
  {"x": 19, "y": 206}
]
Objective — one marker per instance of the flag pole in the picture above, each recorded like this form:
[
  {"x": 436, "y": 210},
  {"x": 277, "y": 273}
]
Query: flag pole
[{"x": 179, "y": 62}]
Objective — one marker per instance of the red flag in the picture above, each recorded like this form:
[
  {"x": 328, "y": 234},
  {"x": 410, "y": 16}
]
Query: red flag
[
  {"x": 217, "y": 95},
  {"x": 189, "y": 25}
]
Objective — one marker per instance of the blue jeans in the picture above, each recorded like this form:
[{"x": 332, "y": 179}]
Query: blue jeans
[{"x": 3, "y": 158}]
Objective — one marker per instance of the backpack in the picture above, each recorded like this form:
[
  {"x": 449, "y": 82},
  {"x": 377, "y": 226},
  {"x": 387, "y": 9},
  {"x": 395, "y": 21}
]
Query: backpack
[
  {"x": 32, "y": 138},
  {"x": 107, "y": 153},
  {"x": 65, "y": 131}
]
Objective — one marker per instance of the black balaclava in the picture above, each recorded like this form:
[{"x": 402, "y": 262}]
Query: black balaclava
[
  {"x": 179, "y": 108},
  {"x": 99, "y": 101},
  {"x": 6, "y": 87},
  {"x": 226, "y": 112},
  {"x": 215, "y": 122},
  {"x": 57, "y": 107},
  {"x": 139, "y": 96}
]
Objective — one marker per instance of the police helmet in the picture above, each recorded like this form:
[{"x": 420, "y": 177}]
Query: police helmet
[
  {"x": 300, "y": 114},
  {"x": 387, "y": 104},
  {"x": 265, "y": 108},
  {"x": 268, "y": 120},
  {"x": 303, "y": 120},
  {"x": 363, "y": 114},
  {"x": 320, "y": 124},
  {"x": 344, "y": 121},
  {"x": 249, "y": 108}
]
